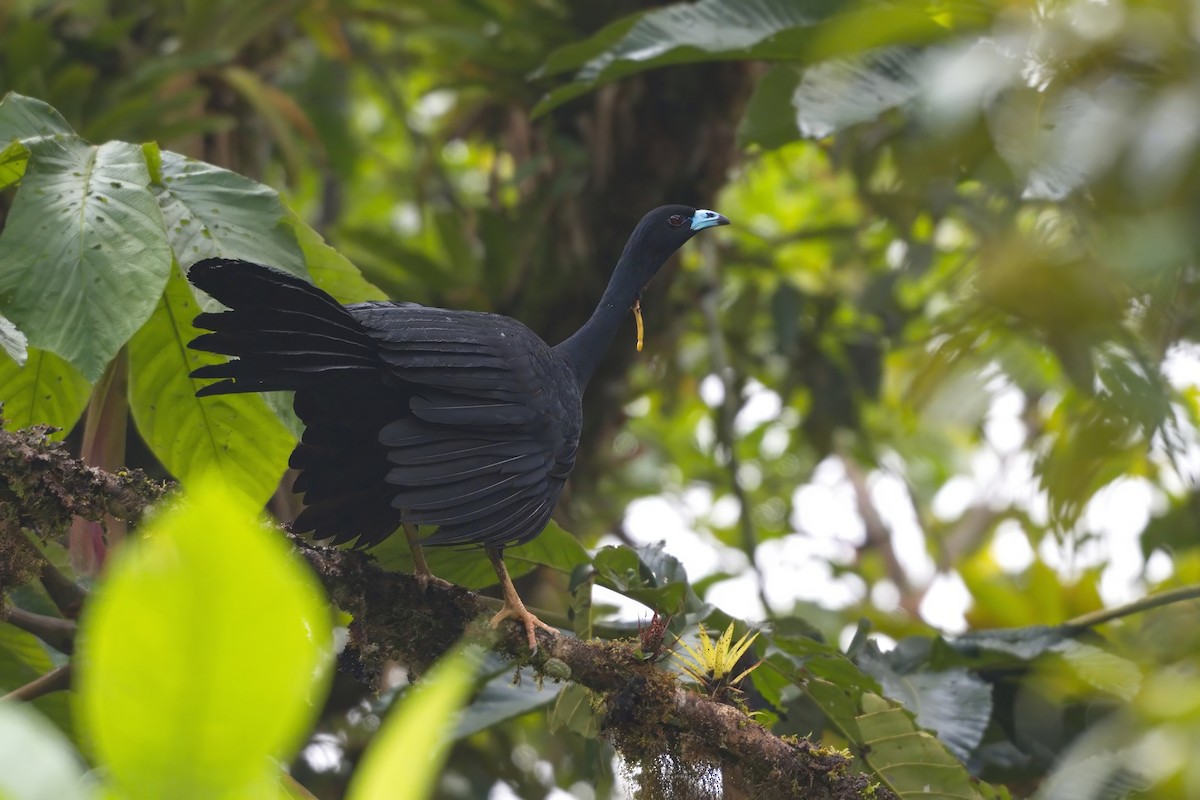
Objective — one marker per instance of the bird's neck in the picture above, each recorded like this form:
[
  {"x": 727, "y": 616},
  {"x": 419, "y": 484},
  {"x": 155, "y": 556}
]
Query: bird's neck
[{"x": 584, "y": 349}]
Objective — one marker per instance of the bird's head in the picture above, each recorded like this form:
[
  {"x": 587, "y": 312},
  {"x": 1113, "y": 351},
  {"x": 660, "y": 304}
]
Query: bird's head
[
  {"x": 663, "y": 231},
  {"x": 660, "y": 233}
]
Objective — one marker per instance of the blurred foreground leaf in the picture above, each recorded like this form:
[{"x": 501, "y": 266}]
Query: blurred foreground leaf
[
  {"x": 405, "y": 759},
  {"x": 36, "y": 761},
  {"x": 203, "y": 656}
]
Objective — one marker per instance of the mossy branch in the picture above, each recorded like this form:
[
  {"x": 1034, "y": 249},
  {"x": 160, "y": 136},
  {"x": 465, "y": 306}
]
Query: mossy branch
[{"x": 674, "y": 733}]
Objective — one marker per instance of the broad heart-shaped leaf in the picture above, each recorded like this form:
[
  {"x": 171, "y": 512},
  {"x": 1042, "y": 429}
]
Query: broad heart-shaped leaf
[
  {"x": 235, "y": 435},
  {"x": 83, "y": 255},
  {"x": 470, "y": 566},
  {"x": 13, "y": 342},
  {"x": 212, "y": 212},
  {"x": 24, "y": 118},
  {"x": 36, "y": 761},
  {"x": 405, "y": 758},
  {"x": 45, "y": 391},
  {"x": 204, "y": 654}
]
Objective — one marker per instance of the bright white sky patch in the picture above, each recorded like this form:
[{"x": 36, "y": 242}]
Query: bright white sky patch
[
  {"x": 889, "y": 494},
  {"x": 945, "y": 603},
  {"x": 1010, "y": 547},
  {"x": 712, "y": 390},
  {"x": 760, "y": 405}
]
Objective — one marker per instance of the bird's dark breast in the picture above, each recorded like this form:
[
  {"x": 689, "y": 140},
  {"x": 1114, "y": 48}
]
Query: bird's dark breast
[{"x": 470, "y": 424}]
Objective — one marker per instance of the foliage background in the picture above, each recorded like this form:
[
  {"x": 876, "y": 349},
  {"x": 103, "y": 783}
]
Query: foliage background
[{"x": 941, "y": 374}]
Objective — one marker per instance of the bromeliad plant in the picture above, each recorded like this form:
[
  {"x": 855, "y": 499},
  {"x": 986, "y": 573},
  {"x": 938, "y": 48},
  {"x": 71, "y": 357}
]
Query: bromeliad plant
[{"x": 712, "y": 665}]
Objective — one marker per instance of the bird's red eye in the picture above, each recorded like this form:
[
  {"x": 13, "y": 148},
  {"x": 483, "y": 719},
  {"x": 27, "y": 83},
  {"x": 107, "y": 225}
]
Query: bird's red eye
[{"x": 675, "y": 220}]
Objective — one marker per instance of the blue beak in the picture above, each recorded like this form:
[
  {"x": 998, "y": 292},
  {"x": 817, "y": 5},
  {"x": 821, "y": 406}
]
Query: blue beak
[{"x": 707, "y": 219}]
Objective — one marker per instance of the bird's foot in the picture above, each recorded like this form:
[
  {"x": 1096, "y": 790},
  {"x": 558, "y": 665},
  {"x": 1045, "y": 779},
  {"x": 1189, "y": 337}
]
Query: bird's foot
[
  {"x": 425, "y": 579},
  {"x": 523, "y": 615}
]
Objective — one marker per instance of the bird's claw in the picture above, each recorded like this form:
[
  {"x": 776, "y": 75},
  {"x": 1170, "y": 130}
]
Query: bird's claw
[
  {"x": 528, "y": 620},
  {"x": 426, "y": 579}
]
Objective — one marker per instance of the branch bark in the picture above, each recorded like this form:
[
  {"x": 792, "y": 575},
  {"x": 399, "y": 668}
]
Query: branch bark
[{"x": 652, "y": 720}]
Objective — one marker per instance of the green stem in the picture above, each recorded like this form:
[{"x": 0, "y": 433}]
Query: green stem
[{"x": 1094, "y": 618}]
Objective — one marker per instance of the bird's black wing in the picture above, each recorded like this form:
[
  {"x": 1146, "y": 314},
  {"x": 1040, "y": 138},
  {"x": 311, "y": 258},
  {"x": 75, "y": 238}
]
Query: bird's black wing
[{"x": 491, "y": 428}]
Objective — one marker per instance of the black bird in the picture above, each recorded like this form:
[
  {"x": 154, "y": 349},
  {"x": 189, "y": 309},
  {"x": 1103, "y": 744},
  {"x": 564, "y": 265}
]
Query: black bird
[{"x": 462, "y": 420}]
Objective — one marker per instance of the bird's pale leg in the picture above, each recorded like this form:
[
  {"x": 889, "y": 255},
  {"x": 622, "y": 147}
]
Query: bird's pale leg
[
  {"x": 513, "y": 607},
  {"x": 421, "y": 569}
]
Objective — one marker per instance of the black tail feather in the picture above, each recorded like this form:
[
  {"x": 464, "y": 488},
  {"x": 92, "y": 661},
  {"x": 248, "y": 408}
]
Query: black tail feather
[{"x": 282, "y": 332}]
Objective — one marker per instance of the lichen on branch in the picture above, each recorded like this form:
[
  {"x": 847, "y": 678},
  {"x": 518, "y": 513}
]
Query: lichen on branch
[{"x": 684, "y": 744}]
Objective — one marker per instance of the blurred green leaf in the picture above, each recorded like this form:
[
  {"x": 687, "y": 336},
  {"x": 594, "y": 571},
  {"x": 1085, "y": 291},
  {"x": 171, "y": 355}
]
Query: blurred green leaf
[
  {"x": 23, "y": 658},
  {"x": 234, "y": 435},
  {"x": 500, "y": 699},
  {"x": 36, "y": 761},
  {"x": 204, "y": 654},
  {"x": 573, "y": 711},
  {"x": 770, "y": 119},
  {"x": 709, "y": 30},
  {"x": 422, "y": 723},
  {"x": 45, "y": 391},
  {"x": 82, "y": 294}
]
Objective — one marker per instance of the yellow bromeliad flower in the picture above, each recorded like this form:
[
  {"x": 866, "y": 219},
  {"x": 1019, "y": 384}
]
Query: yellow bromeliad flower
[{"x": 712, "y": 664}]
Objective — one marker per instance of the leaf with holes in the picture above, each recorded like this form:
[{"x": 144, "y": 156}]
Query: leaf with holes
[
  {"x": 83, "y": 256},
  {"x": 212, "y": 212}
]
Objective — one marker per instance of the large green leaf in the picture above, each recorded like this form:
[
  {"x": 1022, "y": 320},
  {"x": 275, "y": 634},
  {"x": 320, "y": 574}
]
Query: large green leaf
[
  {"x": 953, "y": 703},
  {"x": 45, "y": 391},
  {"x": 83, "y": 256},
  {"x": 204, "y": 654},
  {"x": 405, "y": 759},
  {"x": 331, "y": 270},
  {"x": 211, "y": 211},
  {"x": 236, "y": 435},
  {"x": 910, "y": 760},
  {"x": 24, "y": 118},
  {"x": 36, "y": 761}
]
